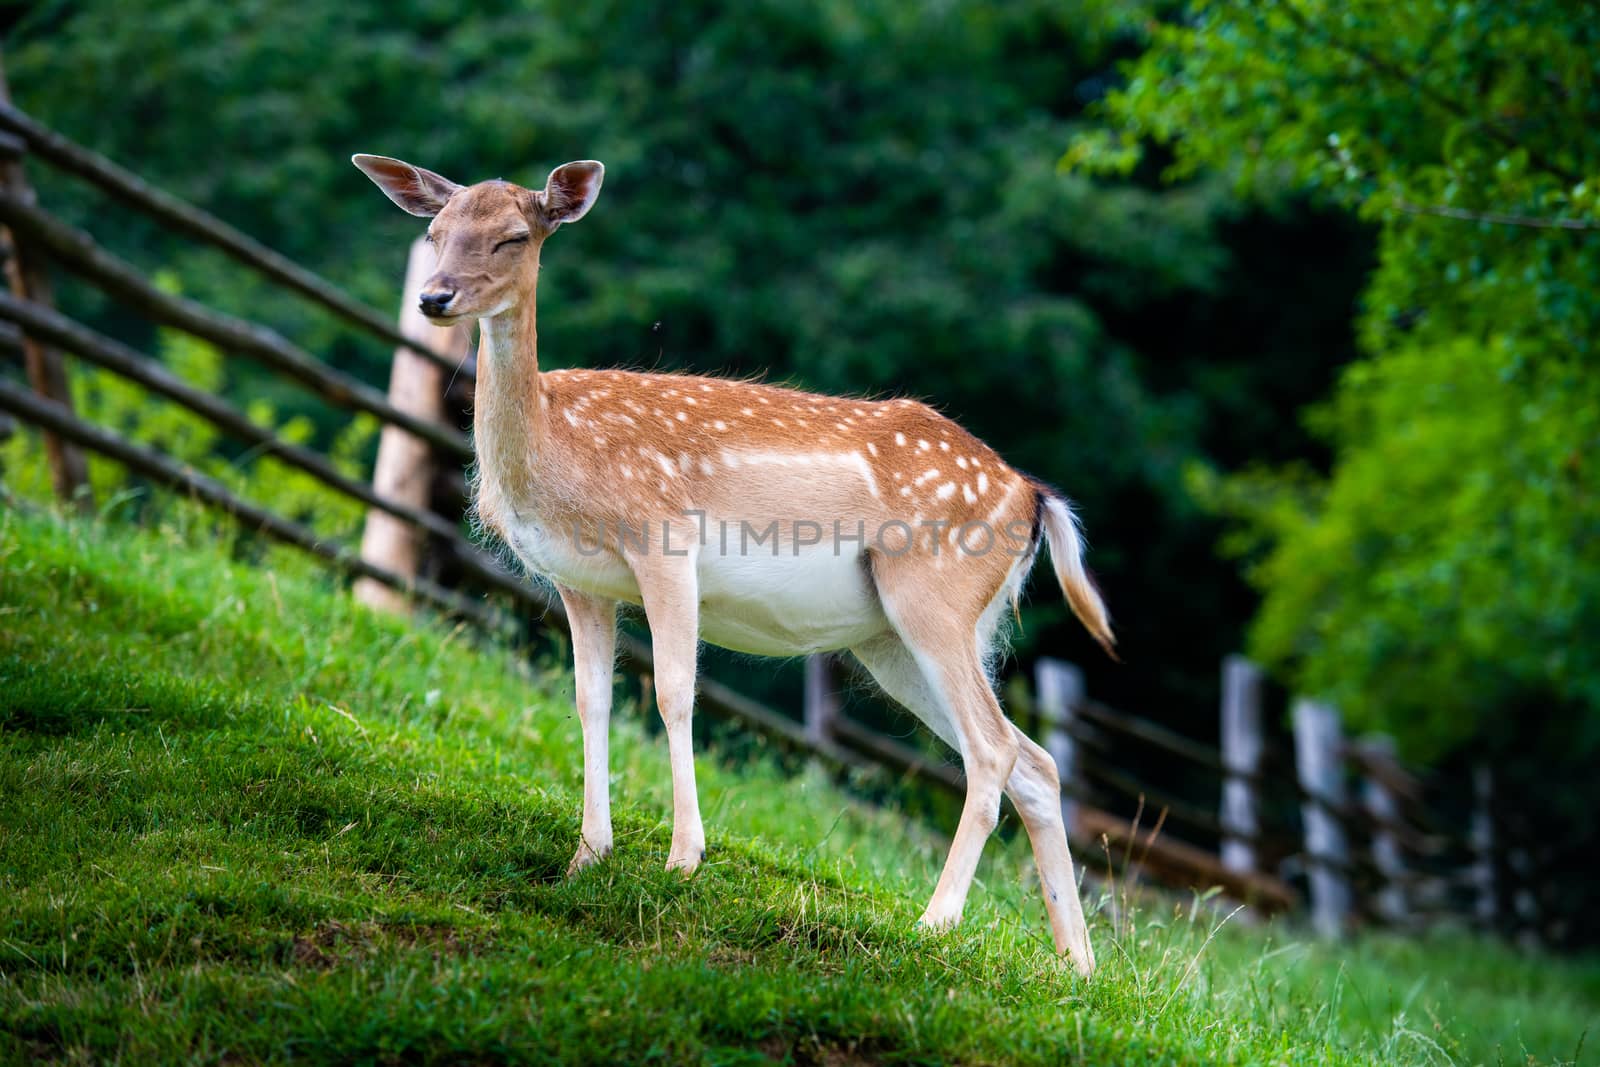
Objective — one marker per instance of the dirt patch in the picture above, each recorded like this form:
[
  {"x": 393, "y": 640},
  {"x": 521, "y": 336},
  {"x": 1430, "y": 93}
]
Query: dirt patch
[{"x": 333, "y": 943}]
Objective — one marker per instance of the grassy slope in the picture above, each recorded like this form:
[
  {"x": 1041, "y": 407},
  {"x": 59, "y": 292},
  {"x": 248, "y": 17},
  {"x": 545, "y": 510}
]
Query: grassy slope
[{"x": 242, "y": 819}]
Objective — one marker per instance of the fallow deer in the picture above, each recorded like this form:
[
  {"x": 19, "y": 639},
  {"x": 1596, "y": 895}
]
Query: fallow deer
[{"x": 881, "y": 526}]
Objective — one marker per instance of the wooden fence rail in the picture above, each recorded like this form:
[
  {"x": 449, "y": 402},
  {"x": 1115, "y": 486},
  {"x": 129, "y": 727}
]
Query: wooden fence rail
[
  {"x": 163, "y": 470},
  {"x": 79, "y": 252},
  {"x": 185, "y": 218},
  {"x": 52, "y": 328}
]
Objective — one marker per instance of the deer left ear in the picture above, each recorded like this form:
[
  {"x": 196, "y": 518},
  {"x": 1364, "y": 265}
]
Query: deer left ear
[{"x": 570, "y": 191}]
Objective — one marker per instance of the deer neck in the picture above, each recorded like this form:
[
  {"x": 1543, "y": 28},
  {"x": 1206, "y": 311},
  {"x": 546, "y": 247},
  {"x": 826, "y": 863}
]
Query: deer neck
[{"x": 508, "y": 415}]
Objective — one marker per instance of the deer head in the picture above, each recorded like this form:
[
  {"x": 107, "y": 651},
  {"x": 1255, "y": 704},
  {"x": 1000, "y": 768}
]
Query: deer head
[{"x": 487, "y": 235}]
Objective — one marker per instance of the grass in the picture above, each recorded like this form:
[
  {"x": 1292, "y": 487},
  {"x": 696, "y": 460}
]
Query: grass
[{"x": 244, "y": 820}]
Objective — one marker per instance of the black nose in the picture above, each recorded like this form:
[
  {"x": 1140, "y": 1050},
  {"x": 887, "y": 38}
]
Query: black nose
[{"x": 435, "y": 302}]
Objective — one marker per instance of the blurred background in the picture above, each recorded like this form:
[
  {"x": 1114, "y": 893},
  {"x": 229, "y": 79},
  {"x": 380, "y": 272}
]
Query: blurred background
[{"x": 1296, "y": 301}]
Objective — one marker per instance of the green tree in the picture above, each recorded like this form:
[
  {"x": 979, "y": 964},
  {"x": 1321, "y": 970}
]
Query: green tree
[{"x": 1443, "y": 580}]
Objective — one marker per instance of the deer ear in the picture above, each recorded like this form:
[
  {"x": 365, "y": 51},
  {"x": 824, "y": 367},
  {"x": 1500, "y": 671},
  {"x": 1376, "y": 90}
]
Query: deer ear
[
  {"x": 421, "y": 192},
  {"x": 570, "y": 191}
]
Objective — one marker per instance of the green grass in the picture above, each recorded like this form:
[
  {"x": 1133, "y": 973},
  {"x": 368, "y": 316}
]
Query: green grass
[{"x": 243, "y": 820}]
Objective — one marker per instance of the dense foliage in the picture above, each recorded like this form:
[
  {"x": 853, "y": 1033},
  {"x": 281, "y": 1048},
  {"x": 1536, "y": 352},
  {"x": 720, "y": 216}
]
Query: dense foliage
[
  {"x": 1444, "y": 581},
  {"x": 859, "y": 196}
]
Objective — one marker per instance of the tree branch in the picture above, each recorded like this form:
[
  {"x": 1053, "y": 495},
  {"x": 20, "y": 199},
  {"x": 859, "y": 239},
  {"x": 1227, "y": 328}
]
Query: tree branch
[
  {"x": 1414, "y": 82},
  {"x": 1497, "y": 218}
]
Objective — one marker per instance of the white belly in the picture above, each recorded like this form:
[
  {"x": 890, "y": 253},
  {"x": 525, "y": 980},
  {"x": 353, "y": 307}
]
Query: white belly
[
  {"x": 787, "y": 605},
  {"x": 751, "y": 600},
  {"x": 589, "y": 566}
]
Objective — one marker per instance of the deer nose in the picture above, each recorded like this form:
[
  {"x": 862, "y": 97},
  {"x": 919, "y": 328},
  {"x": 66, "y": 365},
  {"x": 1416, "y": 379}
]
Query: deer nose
[{"x": 433, "y": 302}]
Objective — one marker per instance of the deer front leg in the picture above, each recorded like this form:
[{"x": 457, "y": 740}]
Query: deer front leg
[
  {"x": 594, "y": 647},
  {"x": 670, "y": 591}
]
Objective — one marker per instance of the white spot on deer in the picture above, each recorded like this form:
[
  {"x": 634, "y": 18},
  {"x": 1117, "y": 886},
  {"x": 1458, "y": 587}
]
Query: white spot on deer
[
  {"x": 705, "y": 388},
  {"x": 866, "y": 474},
  {"x": 872, "y": 449},
  {"x": 690, "y": 400},
  {"x": 946, "y": 491},
  {"x": 705, "y": 467},
  {"x": 762, "y": 400},
  {"x": 778, "y": 423},
  {"x": 923, "y": 446},
  {"x": 967, "y": 494},
  {"x": 857, "y": 411},
  {"x": 730, "y": 459},
  {"x": 983, "y": 482},
  {"x": 926, "y": 476},
  {"x": 683, "y": 416},
  {"x": 905, "y": 490},
  {"x": 899, "y": 438},
  {"x": 944, "y": 446},
  {"x": 961, "y": 461},
  {"x": 627, "y": 471},
  {"x": 719, "y": 425},
  {"x": 684, "y": 462},
  {"x": 570, "y": 417},
  {"x": 747, "y": 412},
  {"x": 840, "y": 426},
  {"x": 666, "y": 465}
]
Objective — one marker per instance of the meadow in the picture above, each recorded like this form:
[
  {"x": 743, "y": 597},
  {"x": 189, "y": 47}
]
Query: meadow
[{"x": 243, "y": 820}]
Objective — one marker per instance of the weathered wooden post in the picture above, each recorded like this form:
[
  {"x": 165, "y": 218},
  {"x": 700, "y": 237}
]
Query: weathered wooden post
[
  {"x": 1319, "y": 758},
  {"x": 47, "y": 374},
  {"x": 1241, "y": 760},
  {"x": 821, "y": 698},
  {"x": 1060, "y": 690},
  {"x": 405, "y": 465},
  {"x": 1382, "y": 803},
  {"x": 1483, "y": 845}
]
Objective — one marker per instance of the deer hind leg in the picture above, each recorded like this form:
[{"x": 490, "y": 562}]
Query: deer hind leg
[
  {"x": 670, "y": 591},
  {"x": 594, "y": 649},
  {"x": 1034, "y": 788},
  {"x": 937, "y": 671}
]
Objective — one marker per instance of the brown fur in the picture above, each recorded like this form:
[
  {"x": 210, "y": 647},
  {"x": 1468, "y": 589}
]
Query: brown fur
[{"x": 564, "y": 449}]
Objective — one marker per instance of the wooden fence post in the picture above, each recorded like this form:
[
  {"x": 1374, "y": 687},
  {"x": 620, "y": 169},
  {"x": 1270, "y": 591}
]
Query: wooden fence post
[
  {"x": 1059, "y": 686},
  {"x": 404, "y": 469},
  {"x": 47, "y": 374},
  {"x": 1381, "y": 802},
  {"x": 1241, "y": 759},
  {"x": 1483, "y": 845},
  {"x": 1320, "y": 761},
  {"x": 821, "y": 697}
]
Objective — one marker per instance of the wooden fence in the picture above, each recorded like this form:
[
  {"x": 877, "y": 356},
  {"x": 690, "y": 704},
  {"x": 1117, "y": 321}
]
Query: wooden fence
[{"x": 1230, "y": 826}]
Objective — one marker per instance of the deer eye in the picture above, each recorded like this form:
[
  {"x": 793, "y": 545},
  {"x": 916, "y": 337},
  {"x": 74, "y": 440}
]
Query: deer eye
[
  {"x": 428, "y": 237},
  {"x": 520, "y": 239}
]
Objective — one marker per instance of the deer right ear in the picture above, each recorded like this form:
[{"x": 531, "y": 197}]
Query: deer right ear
[{"x": 421, "y": 192}]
